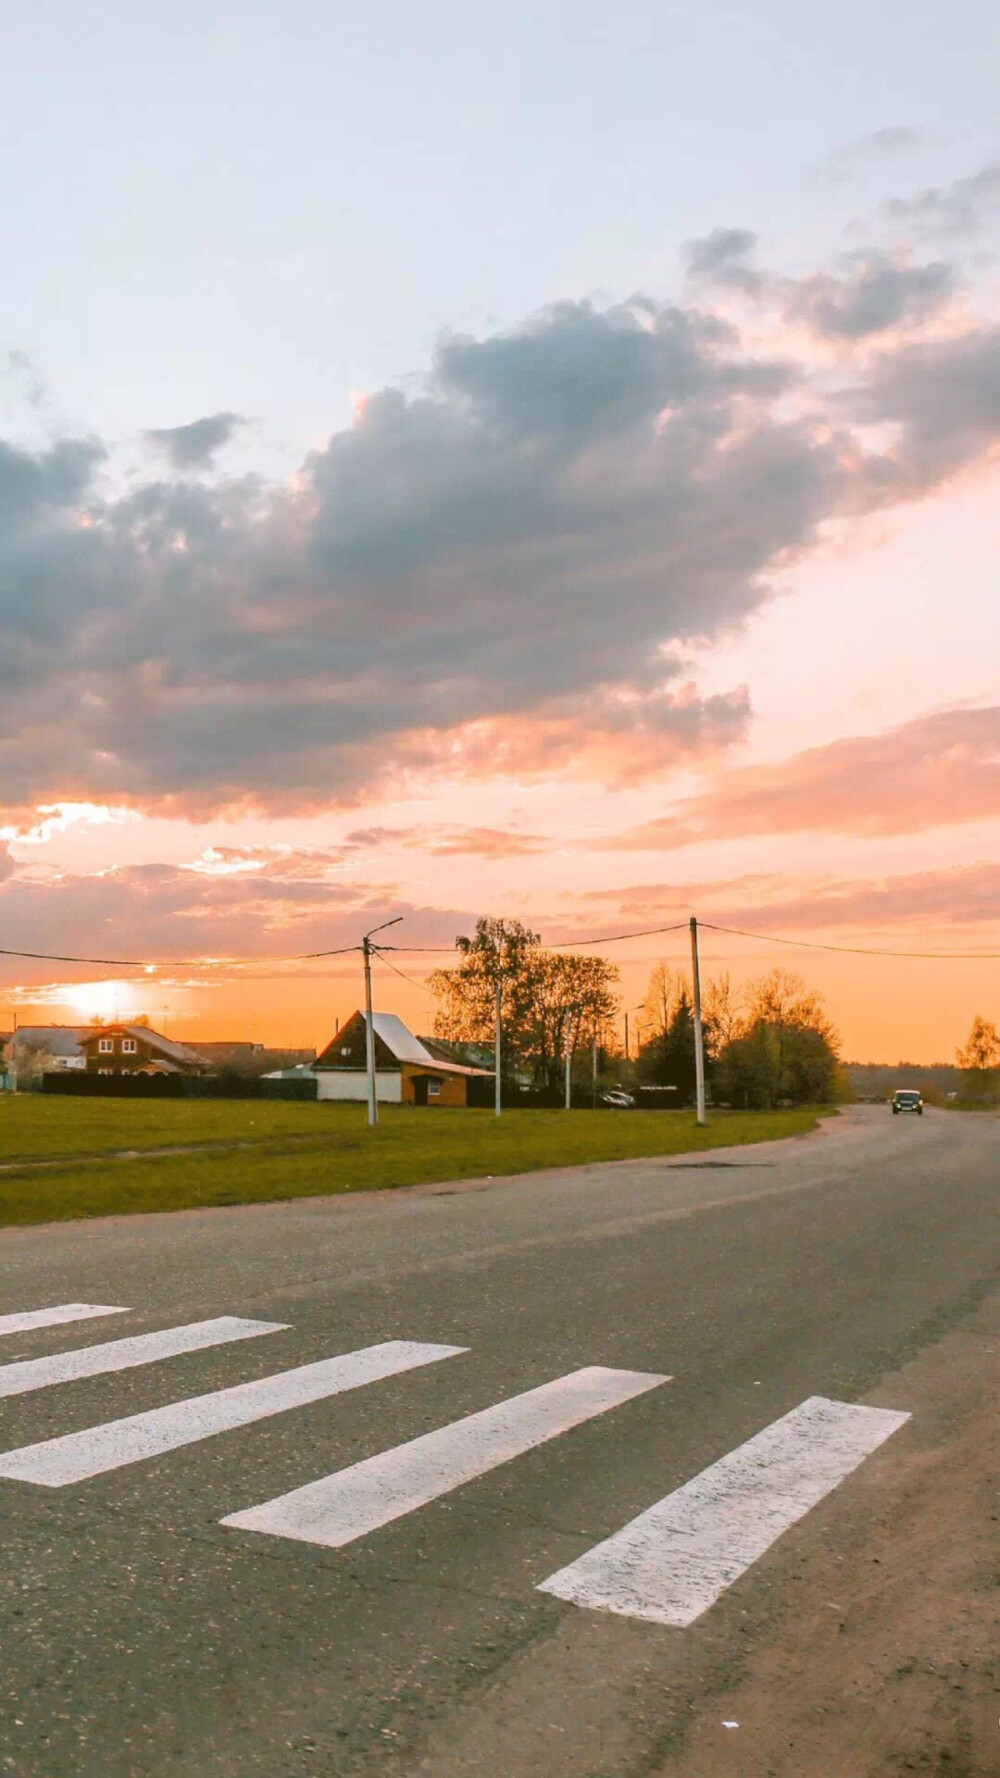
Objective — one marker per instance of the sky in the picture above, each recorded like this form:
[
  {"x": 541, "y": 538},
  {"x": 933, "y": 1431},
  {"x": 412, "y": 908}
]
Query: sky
[{"x": 538, "y": 461}]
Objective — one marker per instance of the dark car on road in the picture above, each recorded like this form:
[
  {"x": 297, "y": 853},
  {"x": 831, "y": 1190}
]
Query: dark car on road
[{"x": 903, "y": 1099}]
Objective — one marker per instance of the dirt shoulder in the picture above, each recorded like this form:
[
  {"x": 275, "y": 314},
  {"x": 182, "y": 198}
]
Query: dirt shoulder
[{"x": 888, "y": 1658}]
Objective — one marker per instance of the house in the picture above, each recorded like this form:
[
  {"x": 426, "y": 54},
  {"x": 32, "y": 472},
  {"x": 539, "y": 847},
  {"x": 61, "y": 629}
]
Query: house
[
  {"x": 471, "y": 1055},
  {"x": 406, "y": 1073},
  {"x": 138, "y": 1049},
  {"x": 237, "y": 1053},
  {"x": 52, "y": 1048},
  {"x": 252, "y": 1059}
]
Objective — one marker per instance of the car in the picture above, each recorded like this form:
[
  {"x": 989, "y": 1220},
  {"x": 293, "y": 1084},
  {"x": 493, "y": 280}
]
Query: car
[
  {"x": 618, "y": 1101},
  {"x": 907, "y": 1099}
]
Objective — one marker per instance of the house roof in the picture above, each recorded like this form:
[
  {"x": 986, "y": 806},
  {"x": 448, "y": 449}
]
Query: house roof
[
  {"x": 164, "y": 1046},
  {"x": 402, "y": 1045},
  {"x": 470, "y": 1055},
  {"x": 238, "y": 1048},
  {"x": 398, "y": 1038},
  {"x": 56, "y": 1040}
]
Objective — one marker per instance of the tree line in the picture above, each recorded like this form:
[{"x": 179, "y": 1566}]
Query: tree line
[{"x": 766, "y": 1043}]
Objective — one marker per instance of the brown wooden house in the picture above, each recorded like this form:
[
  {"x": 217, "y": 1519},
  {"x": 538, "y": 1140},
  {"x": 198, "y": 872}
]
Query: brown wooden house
[
  {"x": 406, "y": 1072},
  {"x": 138, "y": 1049}
]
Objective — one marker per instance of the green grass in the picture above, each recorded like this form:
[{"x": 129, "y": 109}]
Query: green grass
[
  {"x": 35, "y": 1125},
  {"x": 311, "y": 1150}
]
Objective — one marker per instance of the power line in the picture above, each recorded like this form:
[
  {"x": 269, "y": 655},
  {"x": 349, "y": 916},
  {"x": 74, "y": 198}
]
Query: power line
[
  {"x": 808, "y": 944},
  {"x": 173, "y": 962},
  {"x": 311, "y": 956},
  {"x": 616, "y": 938},
  {"x": 56, "y": 957},
  {"x": 562, "y": 944},
  {"x": 380, "y": 954},
  {"x": 559, "y": 945}
]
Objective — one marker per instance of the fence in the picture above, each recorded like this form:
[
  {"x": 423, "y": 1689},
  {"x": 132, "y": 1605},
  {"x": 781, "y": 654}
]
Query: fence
[{"x": 174, "y": 1086}]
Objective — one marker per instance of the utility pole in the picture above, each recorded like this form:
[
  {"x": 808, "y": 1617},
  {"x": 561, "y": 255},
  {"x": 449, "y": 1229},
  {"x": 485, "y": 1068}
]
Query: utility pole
[
  {"x": 498, "y": 1034},
  {"x": 699, "y": 1044},
  {"x": 570, "y": 1044},
  {"x": 593, "y": 1068},
  {"x": 627, "y": 1056},
  {"x": 366, "y": 948}
]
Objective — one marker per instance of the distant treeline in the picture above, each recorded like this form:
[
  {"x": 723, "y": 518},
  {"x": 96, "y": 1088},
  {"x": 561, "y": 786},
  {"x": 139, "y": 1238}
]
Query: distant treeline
[{"x": 879, "y": 1080}]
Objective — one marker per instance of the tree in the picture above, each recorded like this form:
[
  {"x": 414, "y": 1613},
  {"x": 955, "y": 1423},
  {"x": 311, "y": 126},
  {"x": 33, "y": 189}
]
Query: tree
[
  {"x": 721, "y": 1014},
  {"x": 781, "y": 1047},
  {"x": 503, "y": 953},
  {"x": 550, "y": 1001},
  {"x": 980, "y": 1059},
  {"x": 31, "y": 1060},
  {"x": 667, "y": 1059},
  {"x": 662, "y": 994}
]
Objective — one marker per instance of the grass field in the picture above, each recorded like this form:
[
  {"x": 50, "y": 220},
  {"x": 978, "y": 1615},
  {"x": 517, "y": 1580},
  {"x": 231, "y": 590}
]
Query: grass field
[{"x": 269, "y": 1152}]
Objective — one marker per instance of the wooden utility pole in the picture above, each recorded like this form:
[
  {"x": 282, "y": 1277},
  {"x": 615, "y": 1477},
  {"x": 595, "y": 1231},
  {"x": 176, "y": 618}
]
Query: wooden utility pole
[{"x": 699, "y": 1044}]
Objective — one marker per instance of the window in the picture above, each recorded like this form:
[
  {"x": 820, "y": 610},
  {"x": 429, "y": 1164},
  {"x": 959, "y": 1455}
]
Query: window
[
  {"x": 105, "y": 1071},
  {"x": 345, "y": 1051},
  {"x": 433, "y": 1089},
  {"x": 129, "y": 1046},
  {"x": 105, "y": 1046}
]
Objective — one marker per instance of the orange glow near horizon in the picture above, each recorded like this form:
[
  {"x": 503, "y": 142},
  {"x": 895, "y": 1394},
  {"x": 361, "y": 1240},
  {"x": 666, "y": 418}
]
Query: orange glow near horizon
[{"x": 885, "y": 1009}]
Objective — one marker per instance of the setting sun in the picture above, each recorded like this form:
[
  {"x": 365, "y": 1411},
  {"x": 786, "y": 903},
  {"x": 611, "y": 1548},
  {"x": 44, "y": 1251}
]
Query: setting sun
[{"x": 101, "y": 1001}]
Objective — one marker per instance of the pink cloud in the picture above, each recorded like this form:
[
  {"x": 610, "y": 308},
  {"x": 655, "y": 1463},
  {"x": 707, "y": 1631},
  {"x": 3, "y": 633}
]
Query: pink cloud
[
  {"x": 957, "y": 895},
  {"x": 936, "y": 771}
]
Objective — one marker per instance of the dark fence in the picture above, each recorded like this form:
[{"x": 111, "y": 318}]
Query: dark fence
[{"x": 74, "y": 1083}]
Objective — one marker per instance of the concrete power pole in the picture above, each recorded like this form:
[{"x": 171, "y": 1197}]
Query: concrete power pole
[
  {"x": 369, "y": 1034},
  {"x": 366, "y": 947},
  {"x": 498, "y": 1034},
  {"x": 572, "y": 1031},
  {"x": 699, "y": 1044}
]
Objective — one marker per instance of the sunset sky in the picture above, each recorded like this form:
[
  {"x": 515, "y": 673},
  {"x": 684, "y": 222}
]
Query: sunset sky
[{"x": 539, "y": 461}]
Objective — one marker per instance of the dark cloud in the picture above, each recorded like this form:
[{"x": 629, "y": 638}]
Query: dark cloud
[
  {"x": 194, "y": 446},
  {"x": 722, "y": 259},
  {"x": 956, "y": 209},
  {"x": 944, "y": 396},
  {"x": 580, "y": 372},
  {"x": 874, "y": 293},
  {"x": 937, "y": 771},
  {"x": 500, "y": 572}
]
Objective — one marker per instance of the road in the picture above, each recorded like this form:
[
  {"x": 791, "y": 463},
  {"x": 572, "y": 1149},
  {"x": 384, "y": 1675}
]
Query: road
[{"x": 394, "y": 1623}]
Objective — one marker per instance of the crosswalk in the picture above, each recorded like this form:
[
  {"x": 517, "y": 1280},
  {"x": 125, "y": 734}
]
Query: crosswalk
[
  {"x": 124, "y": 1355},
  {"x": 342, "y": 1507},
  {"x": 667, "y": 1566}
]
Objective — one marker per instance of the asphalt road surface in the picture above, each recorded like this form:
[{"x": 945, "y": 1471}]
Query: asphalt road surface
[{"x": 524, "y": 1589}]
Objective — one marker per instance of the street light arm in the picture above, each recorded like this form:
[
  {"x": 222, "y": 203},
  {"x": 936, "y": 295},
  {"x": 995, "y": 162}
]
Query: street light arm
[{"x": 384, "y": 926}]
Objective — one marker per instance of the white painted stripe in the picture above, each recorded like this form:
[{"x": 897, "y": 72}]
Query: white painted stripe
[
  {"x": 78, "y": 1455},
  {"x": 341, "y": 1507},
  {"x": 123, "y": 1355},
  {"x": 54, "y": 1317},
  {"x": 674, "y": 1561}
]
